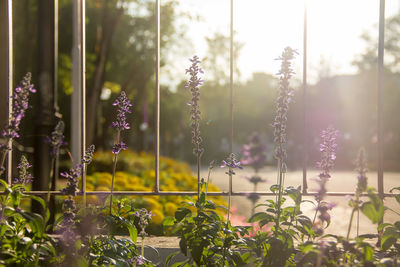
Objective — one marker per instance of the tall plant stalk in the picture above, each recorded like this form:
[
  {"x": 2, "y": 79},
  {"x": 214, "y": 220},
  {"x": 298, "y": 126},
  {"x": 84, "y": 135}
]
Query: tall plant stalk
[
  {"x": 362, "y": 184},
  {"x": 282, "y": 107},
  {"x": 123, "y": 104},
  {"x": 194, "y": 84}
]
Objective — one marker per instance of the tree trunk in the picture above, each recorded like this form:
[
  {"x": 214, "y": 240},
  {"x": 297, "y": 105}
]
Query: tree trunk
[
  {"x": 44, "y": 120},
  {"x": 107, "y": 31}
]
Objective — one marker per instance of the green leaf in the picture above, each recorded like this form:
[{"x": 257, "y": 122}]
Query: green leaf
[
  {"x": 274, "y": 188},
  {"x": 261, "y": 216},
  {"x": 373, "y": 209},
  {"x": 43, "y": 204},
  {"x": 132, "y": 232},
  {"x": 168, "y": 222},
  {"x": 397, "y": 197},
  {"x": 169, "y": 258},
  {"x": 368, "y": 252},
  {"x": 389, "y": 237},
  {"x": 181, "y": 213},
  {"x": 294, "y": 193}
]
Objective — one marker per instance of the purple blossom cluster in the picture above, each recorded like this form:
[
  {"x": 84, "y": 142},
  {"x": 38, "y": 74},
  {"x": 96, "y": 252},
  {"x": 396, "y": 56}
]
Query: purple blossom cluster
[
  {"x": 231, "y": 163},
  {"x": 66, "y": 227},
  {"x": 118, "y": 147},
  {"x": 19, "y": 106},
  {"x": 137, "y": 261},
  {"x": 56, "y": 139},
  {"x": 282, "y": 103},
  {"x": 123, "y": 104},
  {"x": 144, "y": 220},
  {"x": 328, "y": 150},
  {"x": 194, "y": 84},
  {"x": 74, "y": 173},
  {"x": 24, "y": 176},
  {"x": 254, "y": 153}
]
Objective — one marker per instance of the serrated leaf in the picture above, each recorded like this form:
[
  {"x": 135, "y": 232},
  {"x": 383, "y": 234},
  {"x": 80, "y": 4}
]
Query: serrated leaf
[{"x": 373, "y": 209}]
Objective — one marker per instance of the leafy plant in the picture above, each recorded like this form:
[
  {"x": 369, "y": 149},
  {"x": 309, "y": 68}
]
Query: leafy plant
[
  {"x": 205, "y": 238},
  {"x": 23, "y": 240}
]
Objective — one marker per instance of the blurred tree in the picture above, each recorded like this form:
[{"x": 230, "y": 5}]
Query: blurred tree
[{"x": 369, "y": 58}]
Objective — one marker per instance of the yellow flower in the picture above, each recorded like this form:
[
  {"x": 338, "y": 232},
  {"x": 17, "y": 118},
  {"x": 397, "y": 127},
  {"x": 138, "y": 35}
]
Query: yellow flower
[
  {"x": 102, "y": 188},
  {"x": 158, "y": 216},
  {"x": 170, "y": 208},
  {"x": 152, "y": 204}
]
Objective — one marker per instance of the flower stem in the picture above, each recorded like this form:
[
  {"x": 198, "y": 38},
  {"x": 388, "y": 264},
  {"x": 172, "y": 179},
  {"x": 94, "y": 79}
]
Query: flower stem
[
  {"x": 114, "y": 170},
  {"x": 278, "y": 215},
  {"x": 112, "y": 181},
  {"x": 351, "y": 222},
  {"x": 229, "y": 194}
]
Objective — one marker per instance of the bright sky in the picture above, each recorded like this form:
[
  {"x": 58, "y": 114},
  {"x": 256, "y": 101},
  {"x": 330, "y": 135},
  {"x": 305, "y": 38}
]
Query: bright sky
[{"x": 266, "y": 27}]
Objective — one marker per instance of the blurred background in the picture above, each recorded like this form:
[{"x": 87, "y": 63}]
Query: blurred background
[{"x": 120, "y": 55}]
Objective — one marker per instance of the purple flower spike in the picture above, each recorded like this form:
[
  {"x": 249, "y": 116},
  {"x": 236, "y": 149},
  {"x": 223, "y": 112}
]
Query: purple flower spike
[
  {"x": 73, "y": 174},
  {"x": 254, "y": 153},
  {"x": 362, "y": 180},
  {"x": 19, "y": 106},
  {"x": 144, "y": 220},
  {"x": 24, "y": 176},
  {"x": 56, "y": 140},
  {"x": 194, "y": 84},
  {"x": 282, "y": 103},
  {"x": 328, "y": 150},
  {"x": 123, "y": 104}
]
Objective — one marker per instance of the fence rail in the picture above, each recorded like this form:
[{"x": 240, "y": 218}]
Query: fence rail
[{"x": 80, "y": 127}]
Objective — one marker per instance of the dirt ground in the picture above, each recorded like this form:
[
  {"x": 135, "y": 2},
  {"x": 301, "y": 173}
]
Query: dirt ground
[{"x": 341, "y": 181}]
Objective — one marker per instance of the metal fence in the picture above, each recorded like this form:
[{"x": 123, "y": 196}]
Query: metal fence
[{"x": 79, "y": 126}]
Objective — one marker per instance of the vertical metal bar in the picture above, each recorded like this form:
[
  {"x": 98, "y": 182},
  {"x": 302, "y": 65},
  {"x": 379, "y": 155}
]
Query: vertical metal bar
[
  {"x": 157, "y": 104},
  {"x": 55, "y": 72},
  {"x": 76, "y": 111},
  {"x": 231, "y": 105},
  {"x": 231, "y": 82},
  {"x": 83, "y": 91},
  {"x": 380, "y": 99},
  {"x": 305, "y": 145},
  {"x": 10, "y": 84}
]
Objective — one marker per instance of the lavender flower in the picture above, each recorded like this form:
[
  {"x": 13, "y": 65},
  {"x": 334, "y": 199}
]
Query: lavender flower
[
  {"x": 328, "y": 150},
  {"x": 123, "y": 104},
  {"x": 87, "y": 158},
  {"x": 362, "y": 180},
  {"x": 67, "y": 225},
  {"x": 231, "y": 163},
  {"x": 282, "y": 103},
  {"x": 144, "y": 219},
  {"x": 118, "y": 147},
  {"x": 74, "y": 173},
  {"x": 56, "y": 140},
  {"x": 24, "y": 176},
  {"x": 137, "y": 261},
  {"x": 194, "y": 84},
  {"x": 19, "y": 106},
  {"x": 254, "y": 153}
]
